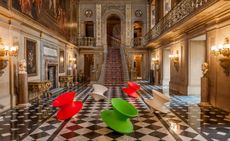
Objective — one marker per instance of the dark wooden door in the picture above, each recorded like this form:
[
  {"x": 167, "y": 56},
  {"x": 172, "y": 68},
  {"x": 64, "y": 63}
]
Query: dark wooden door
[
  {"x": 52, "y": 75},
  {"x": 88, "y": 64}
]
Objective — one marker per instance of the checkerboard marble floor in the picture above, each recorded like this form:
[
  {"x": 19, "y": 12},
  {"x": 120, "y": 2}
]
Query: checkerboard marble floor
[
  {"x": 87, "y": 125},
  {"x": 209, "y": 122},
  {"x": 17, "y": 123},
  {"x": 185, "y": 122}
]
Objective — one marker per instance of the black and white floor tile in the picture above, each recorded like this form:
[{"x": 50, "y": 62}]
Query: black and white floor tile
[
  {"x": 18, "y": 122},
  {"x": 49, "y": 127},
  {"x": 209, "y": 122},
  {"x": 87, "y": 125},
  {"x": 185, "y": 122}
]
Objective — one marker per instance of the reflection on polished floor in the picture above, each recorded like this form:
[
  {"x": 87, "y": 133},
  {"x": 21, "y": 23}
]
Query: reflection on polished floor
[{"x": 185, "y": 121}]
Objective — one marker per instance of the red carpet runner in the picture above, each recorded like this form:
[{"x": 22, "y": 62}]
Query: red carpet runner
[{"x": 113, "y": 73}]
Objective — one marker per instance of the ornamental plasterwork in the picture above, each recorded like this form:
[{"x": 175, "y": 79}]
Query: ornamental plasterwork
[
  {"x": 98, "y": 24},
  {"x": 88, "y": 13},
  {"x": 128, "y": 24},
  {"x": 138, "y": 13},
  {"x": 108, "y": 7}
]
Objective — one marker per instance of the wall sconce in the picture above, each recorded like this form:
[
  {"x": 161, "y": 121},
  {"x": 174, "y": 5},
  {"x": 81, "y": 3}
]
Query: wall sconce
[
  {"x": 61, "y": 59},
  {"x": 175, "y": 59},
  {"x": 156, "y": 61},
  {"x": 72, "y": 60},
  {"x": 4, "y": 52},
  {"x": 224, "y": 50}
]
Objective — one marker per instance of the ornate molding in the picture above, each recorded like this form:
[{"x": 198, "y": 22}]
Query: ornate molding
[
  {"x": 88, "y": 13},
  {"x": 138, "y": 13},
  {"x": 98, "y": 24},
  {"x": 108, "y": 7},
  {"x": 181, "y": 11}
]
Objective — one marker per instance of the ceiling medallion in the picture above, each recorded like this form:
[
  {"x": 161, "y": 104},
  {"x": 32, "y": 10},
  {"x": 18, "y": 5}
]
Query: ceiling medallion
[
  {"x": 88, "y": 13},
  {"x": 138, "y": 13}
]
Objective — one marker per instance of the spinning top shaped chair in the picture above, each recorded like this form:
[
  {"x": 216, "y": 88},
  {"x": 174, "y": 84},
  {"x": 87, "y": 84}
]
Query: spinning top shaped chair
[
  {"x": 68, "y": 107},
  {"x": 118, "y": 118},
  {"x": 131, "y": 90},
  {"x": 98, "y": 93},
  {"x": 158, "y": 102}
]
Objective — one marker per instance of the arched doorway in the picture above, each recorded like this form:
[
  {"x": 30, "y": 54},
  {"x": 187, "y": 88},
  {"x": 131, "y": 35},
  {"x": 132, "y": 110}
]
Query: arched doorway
[
  {"x": 112, "y": 14},
  {"x": 138, "y": 29},
  {"x": 113, "y": 31}
]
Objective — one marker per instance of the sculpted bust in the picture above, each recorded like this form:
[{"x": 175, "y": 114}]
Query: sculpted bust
[
  {"x": 22, "y": 66},
  {"x": 204, "y": 68}
]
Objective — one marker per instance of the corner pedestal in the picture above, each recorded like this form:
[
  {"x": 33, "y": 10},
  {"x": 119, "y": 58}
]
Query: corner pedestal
[
  {"x": 23, "y": 90},
  {"x": 204, "y": 92}
]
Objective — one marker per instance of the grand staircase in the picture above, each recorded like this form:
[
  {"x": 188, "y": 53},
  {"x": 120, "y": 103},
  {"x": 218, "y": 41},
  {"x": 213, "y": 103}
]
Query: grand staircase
[{"x": 113, "y": 69}]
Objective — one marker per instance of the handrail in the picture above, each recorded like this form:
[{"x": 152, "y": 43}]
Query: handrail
[
  {"x": 182, "y": 10},
  {"x": 138, "y": 42}
]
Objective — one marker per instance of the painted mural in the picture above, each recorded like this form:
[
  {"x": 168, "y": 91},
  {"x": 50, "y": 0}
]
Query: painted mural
[
  {"x": 31, "y": 57},
  {"x": 4, "y": 3},
  {"x": 51, "y": 13}
]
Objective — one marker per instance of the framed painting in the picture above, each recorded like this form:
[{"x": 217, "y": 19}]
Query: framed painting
[
  {"x": 31, "y": 56},
  {"x": 61, "y": 61},
  {"x": 53, "y": 14}
]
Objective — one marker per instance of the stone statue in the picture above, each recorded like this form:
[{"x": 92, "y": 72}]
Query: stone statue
[
  {"x": 204, "y": 68},
  {"x": 22, "y": 66}
]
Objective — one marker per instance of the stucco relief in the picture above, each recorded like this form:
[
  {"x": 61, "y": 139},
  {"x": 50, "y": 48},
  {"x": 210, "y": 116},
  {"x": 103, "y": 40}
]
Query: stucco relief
[
  {"x": 128, "y": 24},
  {"x": 108, "y": 7},
  {"x": 98, "y": 24}
]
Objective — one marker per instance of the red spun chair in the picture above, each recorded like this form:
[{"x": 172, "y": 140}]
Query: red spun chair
[
  {"x": 131, "y": 90},
  {"x": 68, "y": 107}
]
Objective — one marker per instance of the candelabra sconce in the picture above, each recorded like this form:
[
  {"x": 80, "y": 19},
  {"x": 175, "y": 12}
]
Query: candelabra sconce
[
  {"x": 4, "y": 52},
  {"x": 223, "y": 50},
  {"x": 156, "y": 61},
  {"x": 175, "y": 59},
  {"x": 72, "y": 60}
]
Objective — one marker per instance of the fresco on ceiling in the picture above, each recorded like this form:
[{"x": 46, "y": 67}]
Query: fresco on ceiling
[{"x": 54, "y": 14}]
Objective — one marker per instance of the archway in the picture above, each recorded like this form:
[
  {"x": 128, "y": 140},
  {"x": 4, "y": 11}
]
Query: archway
[
  {"x": 197, "y": 48},
  {"x": 105, "y": 17},
  {"x": 113, "y": 31},
  {"x": 166, "y": 67}
]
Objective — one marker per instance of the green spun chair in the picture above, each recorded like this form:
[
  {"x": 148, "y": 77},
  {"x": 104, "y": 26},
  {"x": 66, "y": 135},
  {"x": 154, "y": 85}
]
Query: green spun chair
[{"x": 118, "y": 118}]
